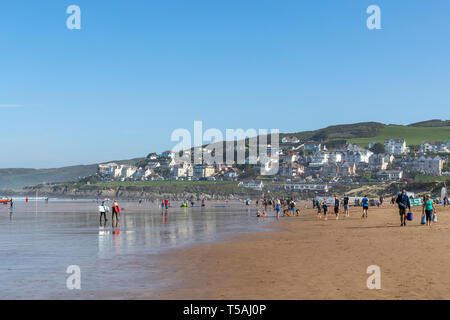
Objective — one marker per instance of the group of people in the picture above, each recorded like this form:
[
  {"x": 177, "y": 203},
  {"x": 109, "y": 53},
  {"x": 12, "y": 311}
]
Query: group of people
[
  {"x": 277, "y": 205},
  {"x": 103, "y": 209},
  {"x": 338, "y": 204},
  {"x": 428, "y": 208},
  {"x": 402, "y": 200}
]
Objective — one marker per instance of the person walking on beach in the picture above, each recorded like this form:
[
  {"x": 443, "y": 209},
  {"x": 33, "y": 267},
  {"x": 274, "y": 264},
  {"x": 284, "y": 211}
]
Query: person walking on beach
[
  {"x": 278, "y": 208},
  {"x": 428, "y": 209},
  {"x": 115, "y": 212},
  {"x": 365, "y": 205},
  {"x": 102, "y": 210},
  {"x": 381, "y": 201},
  {"x": 325, "y": 209},
  {"x": 292, "y": 206},
  {"x": 166, "y": 204},
  {"x": 336, "y": 206},
  {"x": 346, "y": 206},
  {"x": 403, "y": 204}
]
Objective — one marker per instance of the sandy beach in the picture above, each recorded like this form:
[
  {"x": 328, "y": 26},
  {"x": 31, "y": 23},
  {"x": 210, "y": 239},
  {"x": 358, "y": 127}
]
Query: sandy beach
[{"x": 307, "y": 258}]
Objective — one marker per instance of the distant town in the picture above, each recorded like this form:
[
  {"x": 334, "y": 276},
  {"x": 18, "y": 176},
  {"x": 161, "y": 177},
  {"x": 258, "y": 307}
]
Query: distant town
[{"x": 303, "y": 166}]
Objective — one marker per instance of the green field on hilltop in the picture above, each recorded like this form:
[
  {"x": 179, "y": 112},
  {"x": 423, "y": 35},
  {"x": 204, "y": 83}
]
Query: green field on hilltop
[
  {"x": 412, "y": 135},
  {"x": 426, "y": 178}
]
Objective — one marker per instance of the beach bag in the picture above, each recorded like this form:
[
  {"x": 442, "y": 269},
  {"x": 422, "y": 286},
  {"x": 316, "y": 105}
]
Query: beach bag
[
  {"x": 434, "y": 217},
  {"x": 424, "y": 220},
  {"x": 409, "y": 216}
]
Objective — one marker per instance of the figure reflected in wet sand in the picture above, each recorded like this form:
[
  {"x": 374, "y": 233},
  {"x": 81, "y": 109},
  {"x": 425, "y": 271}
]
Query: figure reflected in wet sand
[{"x": 116, "y": 213}]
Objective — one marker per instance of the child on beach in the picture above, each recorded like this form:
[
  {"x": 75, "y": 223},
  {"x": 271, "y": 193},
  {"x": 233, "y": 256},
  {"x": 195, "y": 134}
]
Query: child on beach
[
  {"x": 336, "y": 206},
  {"x": 325, "y": 209},
  {"x": 365, "y": 205}
]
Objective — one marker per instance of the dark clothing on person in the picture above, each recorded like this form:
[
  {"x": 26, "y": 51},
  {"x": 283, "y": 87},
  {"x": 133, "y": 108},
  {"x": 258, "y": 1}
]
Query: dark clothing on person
[{"x": 403, "y": 201}]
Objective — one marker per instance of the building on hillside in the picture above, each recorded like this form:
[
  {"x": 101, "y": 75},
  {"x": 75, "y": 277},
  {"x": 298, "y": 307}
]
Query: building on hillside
[
  {"x": 182, "y": 170},
  {"x": 442, "y": 147},
  {"x": 335, "y": 170},
  {"x": 324, "y": 157},
  {"x": 289, "y": 158},
  {"x": 427, "y": 165},
  {"x": 203, "y": 171},
  {"x": 128, "y": 171},
  {"x": 313, "y": 147},
  {"x": 380, "y": 161},
  {"x": 395, "y": 146},
  {"x": 390, "y": 175},
  {"x": 167, "y": 154},
  {"x": 291, "y": 170},
  {"x": 252, "y": 185},
  {"x": 142, "y": 174},
  {"x": 353, "y": 153},
  {"x": 107, "y": 169},
  {"x": 153, "y": 165},
  {"x": 168, "y": 163},
  {"x": 232, "y": 173},
  {"x": 152, "y": 156},
  {"x": 306, "y": 187}
]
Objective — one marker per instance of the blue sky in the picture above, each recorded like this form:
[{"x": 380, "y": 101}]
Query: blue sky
[{"x": 137, "y": 70}]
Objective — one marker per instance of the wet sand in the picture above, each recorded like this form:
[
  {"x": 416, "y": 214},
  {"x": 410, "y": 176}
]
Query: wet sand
[{"x": 308, "y": 258}]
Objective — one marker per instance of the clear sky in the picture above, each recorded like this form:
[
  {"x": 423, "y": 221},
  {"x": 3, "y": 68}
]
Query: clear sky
[{"x": 137, "y": 70}]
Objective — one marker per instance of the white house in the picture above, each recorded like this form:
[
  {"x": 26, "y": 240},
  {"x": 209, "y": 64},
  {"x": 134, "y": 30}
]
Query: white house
[
  {"x": 313, "y": 147},
  {"x": 380, "y": 161},
  {"x": 395, "y": 146},
  {"x": 391, "y": 175},
  {"x": 107, "y": 169},
  {"x": 203, "y": 171},
  {"x": 153, "y": 165},
  {"x": 306, "y": 187},
  {"x": 182, "y": 170},
  {"x": 428, "y": 165},
  {"x": 323, "y": 157},
  {"x": 435, "y": 147},
  {"x": 292, "y": 170},
  {"x": 167, "y": 154}
]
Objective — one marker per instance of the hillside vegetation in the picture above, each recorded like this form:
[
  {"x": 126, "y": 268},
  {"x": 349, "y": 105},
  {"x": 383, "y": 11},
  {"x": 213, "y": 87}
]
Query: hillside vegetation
[
  {"x": 17, "y": 178},
  {"x": 412, "y": 134}
]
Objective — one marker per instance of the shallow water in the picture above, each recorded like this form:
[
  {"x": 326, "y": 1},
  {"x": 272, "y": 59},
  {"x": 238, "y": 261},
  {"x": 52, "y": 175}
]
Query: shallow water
[{"x": 39, "y": 240}]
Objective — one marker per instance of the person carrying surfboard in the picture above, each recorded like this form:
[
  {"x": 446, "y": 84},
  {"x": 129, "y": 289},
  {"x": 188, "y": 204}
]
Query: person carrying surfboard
[
  {"x": 102, "y": 210},
  {"x": 116, "y": 212}
]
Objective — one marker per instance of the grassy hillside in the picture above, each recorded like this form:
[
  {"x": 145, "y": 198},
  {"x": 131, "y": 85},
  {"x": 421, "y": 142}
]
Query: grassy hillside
[
  {"x": 345, "y": 131},
  {"x": 413, "y": 135},
  {"x": 18, "y": 178}
]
